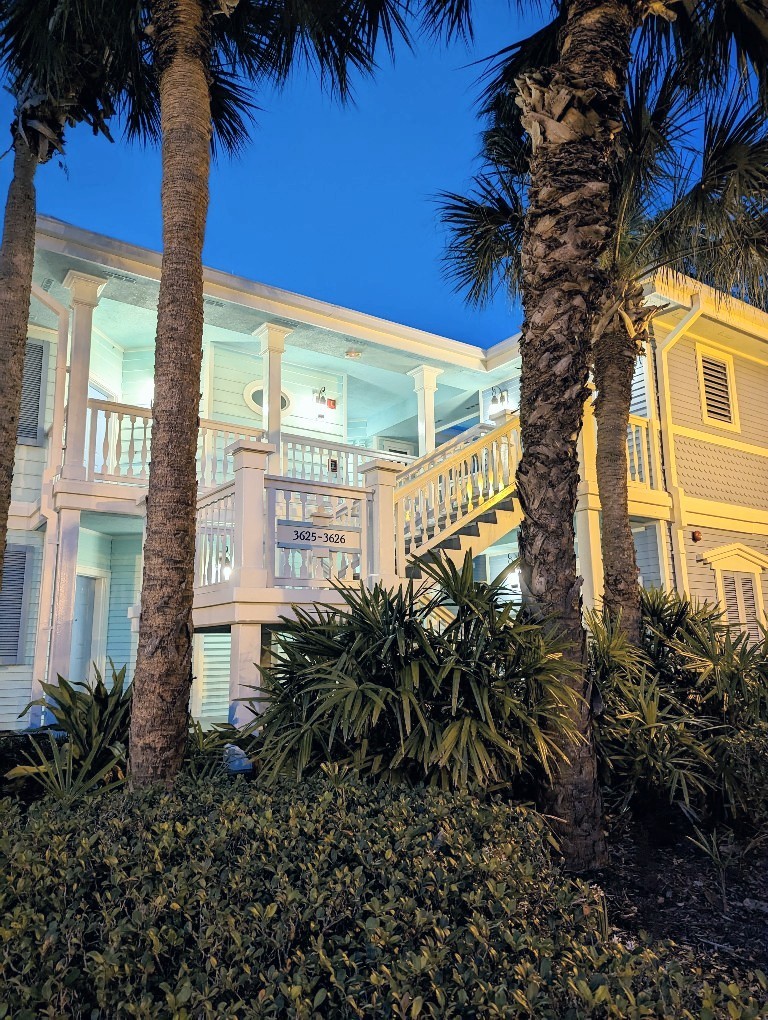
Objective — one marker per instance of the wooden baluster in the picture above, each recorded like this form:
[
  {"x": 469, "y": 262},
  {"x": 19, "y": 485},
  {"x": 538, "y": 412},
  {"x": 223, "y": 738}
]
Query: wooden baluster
[
  {"x": 145, "y": 448},
  {"x": 105, "y": 444},
  {"x": 202, "y": 457},
  {"x": 119, "y": 444},
  {"x": 131, "y": 445}
]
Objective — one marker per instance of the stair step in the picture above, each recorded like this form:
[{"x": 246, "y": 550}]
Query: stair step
[
  {"x": 413, "y": 571},
  {"x": 470, "y": 529},
  {"x": 451, "y": 542}
]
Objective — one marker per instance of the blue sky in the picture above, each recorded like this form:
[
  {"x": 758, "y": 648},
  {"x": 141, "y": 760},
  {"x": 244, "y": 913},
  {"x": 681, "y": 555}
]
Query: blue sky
[{"x": 334, "y": 202}]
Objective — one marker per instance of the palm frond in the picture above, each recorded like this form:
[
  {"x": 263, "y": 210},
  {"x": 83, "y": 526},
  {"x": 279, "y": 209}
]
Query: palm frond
[{"x": 486, "y": 233}]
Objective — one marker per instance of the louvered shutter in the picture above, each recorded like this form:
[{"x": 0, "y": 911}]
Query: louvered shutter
[
  {"x": 750, "y": 606},
  {"x": 12, "y": 604},
  {"x": 639, "y": 402},
  {"x": 731, "y": 600},
  {"x": 717, "y": 395},
  {"x": 30, "y": 416}
]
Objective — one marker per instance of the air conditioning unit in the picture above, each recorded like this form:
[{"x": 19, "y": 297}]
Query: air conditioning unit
[{"x": 399, "y": 447}]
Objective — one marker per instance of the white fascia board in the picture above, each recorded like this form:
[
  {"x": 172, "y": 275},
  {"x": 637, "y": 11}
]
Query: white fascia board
[
  {"x": 503, "y": 352},
  {"x": 680, "y": 290},
  {"x": 62, "y": 238}
]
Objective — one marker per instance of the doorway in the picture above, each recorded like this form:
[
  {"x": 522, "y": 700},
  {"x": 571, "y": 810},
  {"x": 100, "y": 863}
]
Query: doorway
[{"x": 89, "y": 627}]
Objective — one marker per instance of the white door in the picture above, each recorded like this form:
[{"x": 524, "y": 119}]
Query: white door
[{"x": 84, "y": 648}]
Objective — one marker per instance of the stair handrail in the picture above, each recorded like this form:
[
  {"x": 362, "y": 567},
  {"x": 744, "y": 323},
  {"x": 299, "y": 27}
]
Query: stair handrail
[
  {"x": 507, "y": 428},
  {"x": 435, "y": 503},
  {"x": 439, "y": 454}
]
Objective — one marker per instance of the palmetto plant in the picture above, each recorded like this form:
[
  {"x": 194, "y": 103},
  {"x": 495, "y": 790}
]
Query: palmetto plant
[
  {"x": 376, "y": 686},
  {"x": 94, "y": 720}
]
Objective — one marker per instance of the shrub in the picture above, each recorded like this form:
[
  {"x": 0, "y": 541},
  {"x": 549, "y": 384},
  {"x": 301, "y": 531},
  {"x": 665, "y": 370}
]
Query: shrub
[
  {"x": 95, "y": 721},
  {"x": 378, "y": 686},
  {"x": 676, "y": 712},
  {"x": 223, "y": 900}
]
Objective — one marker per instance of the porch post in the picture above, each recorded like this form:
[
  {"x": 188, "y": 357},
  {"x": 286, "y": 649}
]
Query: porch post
[
  {"x": 588, "y": 536},
  {"x": 64, "y": 595},
  {"x": 250, "y": 464},
  {"x": 271, "y": 339},
  {"x": 425, "y": 383},
  {"x": 380, "y": 476},
  {"x": 244, "y": 678},
  {"x": 84, "y": 291}
]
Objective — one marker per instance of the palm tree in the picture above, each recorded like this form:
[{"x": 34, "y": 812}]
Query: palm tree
[
  {"x": 45, "y": 105},
  {"x": 570, "y": 108},
  {"x": 691, "y": 194},
  {"x": 190, "y": 38}
]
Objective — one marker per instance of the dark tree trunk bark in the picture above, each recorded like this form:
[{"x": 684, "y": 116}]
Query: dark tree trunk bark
[
  {"x": 164, "y": 664},
  {"x": 615, "y": 356},
  {"x": 17, "y": 257},
  {"x": 572, "y": 113}
]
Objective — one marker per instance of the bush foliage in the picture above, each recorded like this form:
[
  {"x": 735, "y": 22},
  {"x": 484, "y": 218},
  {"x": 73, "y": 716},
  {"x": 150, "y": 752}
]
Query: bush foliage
[
  {"x": 341, "y": 900},
  {"x": 685, "y": 717},
  {"x": 378, "y": 685}
]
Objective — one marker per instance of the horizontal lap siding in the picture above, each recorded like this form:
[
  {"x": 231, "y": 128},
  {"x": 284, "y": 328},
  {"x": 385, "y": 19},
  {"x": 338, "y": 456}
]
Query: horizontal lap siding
[
  {"x": 138, "y": 370},
  {"x": 232, "y": 372},
  {"x": 701, "y": 577},
  {"x": 16, "y": 681},
  {"x": 106, "y": 366},
  {"x": 124, "y": 589}
]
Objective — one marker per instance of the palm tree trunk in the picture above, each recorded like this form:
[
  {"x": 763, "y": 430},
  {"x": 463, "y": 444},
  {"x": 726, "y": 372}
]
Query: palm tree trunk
[
  {"x": 615, "y": 357},
  {"x": 572, "y": 113},
  {"x": 164, "y": 664},
  {"x": 17, "y": 257}
]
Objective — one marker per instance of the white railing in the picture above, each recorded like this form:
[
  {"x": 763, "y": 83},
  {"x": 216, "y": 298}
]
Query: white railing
[
  {"x": 335, "y": 463},
  {"x": 642, "y": 453},
  {"x": 436, "y": 502},
  {"x": 216, "y": 537},
  {"x": 120, "y": 439},
  {"x": 316, "y": 533},
  {"x": 443, "y": 452}
]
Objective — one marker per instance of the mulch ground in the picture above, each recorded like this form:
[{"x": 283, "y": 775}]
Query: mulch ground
[{"x": 673, "y": 892}]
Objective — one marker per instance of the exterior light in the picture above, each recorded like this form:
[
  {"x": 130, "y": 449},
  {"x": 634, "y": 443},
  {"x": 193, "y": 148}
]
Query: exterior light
[
  {"x": 320, "y": 396},
  {"x": 226, "y": 567},
  {"x": 494, "y": 397}
]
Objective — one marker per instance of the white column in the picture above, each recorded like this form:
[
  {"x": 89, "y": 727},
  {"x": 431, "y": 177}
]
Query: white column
[
  {"x": 271, "y": 339},
  {"x": 244, "y": 677},
  {"x": 425, "y": 383},
  {"x": 381, "y": 477},
  {"x": 64, "y": 596},
  {"x": 84, "y": 291},
  {"x": 250, "y": 465}
]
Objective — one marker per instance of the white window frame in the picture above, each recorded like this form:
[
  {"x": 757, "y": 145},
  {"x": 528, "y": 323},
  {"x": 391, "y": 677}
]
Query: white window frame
[
  {"x": 739, "y": 559},
  {"x": 702, "y": 351}
]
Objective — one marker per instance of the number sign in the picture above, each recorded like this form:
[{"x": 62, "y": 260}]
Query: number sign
[{"x": 301, "y": 535}]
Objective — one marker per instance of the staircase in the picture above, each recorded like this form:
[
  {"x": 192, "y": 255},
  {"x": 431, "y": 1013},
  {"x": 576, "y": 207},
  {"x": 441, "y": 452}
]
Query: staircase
[{"x": 459, "y": 498}]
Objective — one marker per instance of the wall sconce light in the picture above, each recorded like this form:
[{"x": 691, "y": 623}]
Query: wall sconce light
[
  {"x": 226, "y": 566},
  {"x": 320, "y": 397},
  {"x": 696, "y": 536},
  {"x": 498, "y": 398}
]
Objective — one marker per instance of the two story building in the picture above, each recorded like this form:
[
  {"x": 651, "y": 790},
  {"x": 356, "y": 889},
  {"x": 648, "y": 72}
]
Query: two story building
[{"x": 334, "y": 447}]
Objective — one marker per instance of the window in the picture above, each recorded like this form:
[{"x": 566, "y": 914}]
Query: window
[
  {"x": 30, "y": 428},
  {"x": 253, "y": 395},
  {"x": 741, "y": 602},
  {"x": 13, "y": 605},
  {"x": 739, "y": 572},
  {"x": 717, "y": 389}
]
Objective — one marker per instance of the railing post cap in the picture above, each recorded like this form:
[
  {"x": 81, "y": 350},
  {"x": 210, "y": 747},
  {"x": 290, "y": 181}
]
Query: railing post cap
[
  {"x": 387, "y": 467},
  {"x": 503, "y": 416},
  {"x": 249, "y": 445}
]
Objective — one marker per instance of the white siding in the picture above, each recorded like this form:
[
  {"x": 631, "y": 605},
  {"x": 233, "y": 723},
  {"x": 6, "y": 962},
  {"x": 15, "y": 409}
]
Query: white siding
[
  {"x": 701, "y": 577},
  {"x": 30, "y": 460},
  {"x": 16, "y": 681},
  {"x": 647, "y": 552},
  {"x": 124, "y": 589}
]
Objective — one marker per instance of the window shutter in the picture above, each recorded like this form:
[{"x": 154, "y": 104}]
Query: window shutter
[
  {"x": 29, "y": 430},
  {"x": 717, "y": 395},
  {"x": 639, "y": 402},
  {"x": 731, "y": 600},
  {"x": 750, "y": 606},
  {"x": 12, "y": 604}
]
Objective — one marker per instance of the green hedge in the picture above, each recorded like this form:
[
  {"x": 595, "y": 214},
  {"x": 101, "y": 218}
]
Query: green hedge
[{"x": 337, "y": 900}]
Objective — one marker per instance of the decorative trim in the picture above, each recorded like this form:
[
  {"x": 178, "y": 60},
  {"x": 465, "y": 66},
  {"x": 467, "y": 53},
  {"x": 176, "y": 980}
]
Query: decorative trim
[{"x": 736, "y": 556}]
